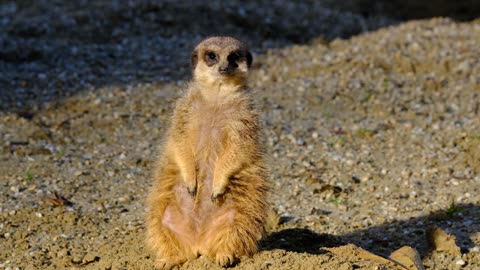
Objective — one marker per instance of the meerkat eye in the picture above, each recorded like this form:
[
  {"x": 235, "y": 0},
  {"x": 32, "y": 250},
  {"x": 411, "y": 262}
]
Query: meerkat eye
[{"x": 211, "y": 56}]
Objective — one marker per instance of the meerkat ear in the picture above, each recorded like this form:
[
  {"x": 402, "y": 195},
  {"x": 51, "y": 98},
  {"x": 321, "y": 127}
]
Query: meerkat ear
[
  {"x": 194, "y": 59},
  {"x": 249, "y": 59}
]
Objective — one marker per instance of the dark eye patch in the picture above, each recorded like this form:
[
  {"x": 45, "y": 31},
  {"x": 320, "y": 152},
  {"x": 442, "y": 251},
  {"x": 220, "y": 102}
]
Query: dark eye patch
[{"x": 234, "y": 56}]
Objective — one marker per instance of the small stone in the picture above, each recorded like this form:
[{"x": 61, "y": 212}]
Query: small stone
[
  {"x": 77, "y": 259},
  {"x": 460, "y": 262},
  {"x": 90, "y": 257},
  {"x": 463, "y": 67},
  {"x": 38, "y": 214},
  {"x": 296, "y": 190},
  {"x": 123, "y": 199},
  {"x": 62, "y": 253},
  {"x": 300, "y": 141}
]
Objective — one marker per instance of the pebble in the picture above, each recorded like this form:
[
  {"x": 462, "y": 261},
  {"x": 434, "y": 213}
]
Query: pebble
[
  {"x": 123, "y": 199},
  {"x": 62, "y": 253},
  {"x": 77, "y": 259},
  {"x": 460, "y": 262},
  {"x": 90, "y": 257}
]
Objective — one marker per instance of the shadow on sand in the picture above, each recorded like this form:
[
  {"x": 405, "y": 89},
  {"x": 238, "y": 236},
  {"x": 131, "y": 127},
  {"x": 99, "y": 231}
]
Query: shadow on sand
[{"x": 385, "y": 238}]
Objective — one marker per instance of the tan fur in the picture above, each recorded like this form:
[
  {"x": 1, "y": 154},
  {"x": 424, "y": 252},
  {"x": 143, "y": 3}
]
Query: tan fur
[{"x": 210, "y": 184}]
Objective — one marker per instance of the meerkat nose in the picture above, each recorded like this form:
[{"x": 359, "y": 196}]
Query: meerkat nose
[{"x": 223, "y": 69}]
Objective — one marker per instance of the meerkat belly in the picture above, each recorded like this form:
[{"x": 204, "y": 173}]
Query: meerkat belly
[
  {"x": 180, "y": 217},
  {"x": 206, "y": 137},
  {"x": 192, "y": 219}
]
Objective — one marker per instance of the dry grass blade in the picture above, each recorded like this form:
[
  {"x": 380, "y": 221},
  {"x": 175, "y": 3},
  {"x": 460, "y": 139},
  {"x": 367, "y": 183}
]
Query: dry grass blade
[{"x": 58, "y": 200}]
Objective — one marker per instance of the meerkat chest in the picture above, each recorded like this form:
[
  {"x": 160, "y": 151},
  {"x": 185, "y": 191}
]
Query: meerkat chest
[{"x": 209, "y": 126}]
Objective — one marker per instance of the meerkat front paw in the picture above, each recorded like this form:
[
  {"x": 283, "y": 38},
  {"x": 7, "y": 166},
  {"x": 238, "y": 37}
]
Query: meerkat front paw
[
  {"x": 191, "y": 187},
  {"x": 191, "y": 184},
  {"x": 218, "y": 188}
]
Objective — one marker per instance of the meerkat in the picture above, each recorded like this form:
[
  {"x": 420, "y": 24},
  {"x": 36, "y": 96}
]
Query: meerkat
[{"x": 209, "y": 193}]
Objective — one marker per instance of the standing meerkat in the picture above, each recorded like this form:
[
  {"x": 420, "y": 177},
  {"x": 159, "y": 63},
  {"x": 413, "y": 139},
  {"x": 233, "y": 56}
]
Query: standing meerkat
[{"x": 210, "y": 183}]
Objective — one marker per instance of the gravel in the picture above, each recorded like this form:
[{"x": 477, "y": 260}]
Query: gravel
[{"x": 372, "y": 128}]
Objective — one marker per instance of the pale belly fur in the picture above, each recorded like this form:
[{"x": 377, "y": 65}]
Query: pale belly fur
[{"x": 191, "y": 217}]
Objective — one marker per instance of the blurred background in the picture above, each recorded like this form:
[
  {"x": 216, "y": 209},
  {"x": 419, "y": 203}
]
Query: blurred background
[{"x": 50, "y": 49}]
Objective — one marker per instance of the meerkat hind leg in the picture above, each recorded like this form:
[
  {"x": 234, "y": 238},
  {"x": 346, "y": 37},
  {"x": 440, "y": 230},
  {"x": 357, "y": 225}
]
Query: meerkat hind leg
[
  {"x": 176, "y": 239},
  {"x": 226, "y": 240},
  {"x": 224, "y": 260}
]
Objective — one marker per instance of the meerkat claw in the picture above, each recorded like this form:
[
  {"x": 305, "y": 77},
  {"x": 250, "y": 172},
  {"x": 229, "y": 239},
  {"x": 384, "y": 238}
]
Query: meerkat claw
[
  {"x": 215, "y": 197},
  {"x": 192, "y": 191},
  {"x": 225, "y": 260}
]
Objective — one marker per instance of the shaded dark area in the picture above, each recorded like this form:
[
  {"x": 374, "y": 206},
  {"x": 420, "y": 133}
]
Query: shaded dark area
[
  {"x": 53, "y": 49},
  {"x": 412, "y": 9},
  {"x": 300, "y": 240},
  {"x": 386, "y": 238}
]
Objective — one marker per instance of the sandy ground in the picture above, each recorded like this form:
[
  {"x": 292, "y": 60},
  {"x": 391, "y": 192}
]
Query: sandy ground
[{"x": 373, "y": 139}]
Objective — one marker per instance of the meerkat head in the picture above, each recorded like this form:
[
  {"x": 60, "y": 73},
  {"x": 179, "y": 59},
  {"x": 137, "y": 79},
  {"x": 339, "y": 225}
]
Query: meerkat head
[{"x": 223, "y": 60}]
